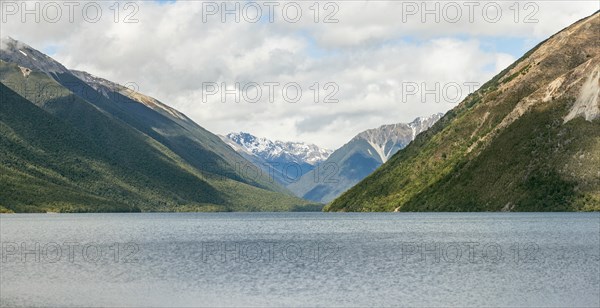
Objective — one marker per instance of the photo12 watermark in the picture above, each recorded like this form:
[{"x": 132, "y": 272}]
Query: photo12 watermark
[
  {"x": 68, "y": 11},
  {"x": 469, "y": 252},
  {"x": 71, "y": 90},
  {"x": 270, "y": 252},
  {"x": 269, "y": 91},
  {"x": 469, "y": 11},
  {"x": 270, "y": 11},
  {"x": 70, "y": 252},
  {"x": 289, "y": 172},
  {"x": 436, "y": 92}
]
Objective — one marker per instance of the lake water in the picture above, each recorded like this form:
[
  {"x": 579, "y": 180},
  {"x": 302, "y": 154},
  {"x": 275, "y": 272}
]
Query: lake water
[{"x": 301, "y": 259}]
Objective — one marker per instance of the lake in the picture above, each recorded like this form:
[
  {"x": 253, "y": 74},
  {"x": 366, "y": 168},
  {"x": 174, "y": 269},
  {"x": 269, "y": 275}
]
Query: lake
[{"x": 300, "y": 259}]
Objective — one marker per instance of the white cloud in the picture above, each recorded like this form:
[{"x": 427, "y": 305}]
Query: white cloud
[{"x": 371, "y": 54}]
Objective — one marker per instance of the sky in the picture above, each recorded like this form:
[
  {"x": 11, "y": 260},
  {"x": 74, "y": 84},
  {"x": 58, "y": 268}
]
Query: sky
[{"x": 324, "y": 75}]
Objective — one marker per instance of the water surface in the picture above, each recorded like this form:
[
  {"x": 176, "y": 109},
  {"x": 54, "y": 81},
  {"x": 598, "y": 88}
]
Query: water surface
[{"x": 300, "y": 259}]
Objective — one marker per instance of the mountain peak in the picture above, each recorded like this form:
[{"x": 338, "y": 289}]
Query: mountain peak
[
  {"x": 243, "y": 138},
  {"x": 358, "y": 158},
  {"x": 386, "y": 140},
  {"x": 268, "y": 150},
  {"x": 418, "y": 121},
  {"x": 26, "y": 56}
]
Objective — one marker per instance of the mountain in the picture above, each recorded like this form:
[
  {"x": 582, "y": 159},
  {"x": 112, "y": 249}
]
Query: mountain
[
  {"x": 357, "y": 159},
  {"x": 75, "y": 142},
  {"x": 279, "y": 151},
  {"x": 527, "y": 140},
  {"x": 284, "y": 161}
]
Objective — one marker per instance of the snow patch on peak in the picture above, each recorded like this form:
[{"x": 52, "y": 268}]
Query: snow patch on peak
[{"x": 297, "y": 152}]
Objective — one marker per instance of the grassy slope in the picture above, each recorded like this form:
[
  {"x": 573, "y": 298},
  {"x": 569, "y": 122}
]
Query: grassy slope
[
  {"x": 524, "y": 167},
  {"x": 69, "y": 156},
  {"x": 459, "y": 165}
]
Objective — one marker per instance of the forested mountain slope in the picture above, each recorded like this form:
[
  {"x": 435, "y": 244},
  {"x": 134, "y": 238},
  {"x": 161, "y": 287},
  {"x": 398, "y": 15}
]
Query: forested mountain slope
[
  {"x": 527, "y": 140},
  {"x": 69, "y": 144}
]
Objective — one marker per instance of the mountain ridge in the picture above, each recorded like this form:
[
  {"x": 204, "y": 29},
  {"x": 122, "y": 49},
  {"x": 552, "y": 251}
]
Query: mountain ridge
[{"x": 269, "y": 150}]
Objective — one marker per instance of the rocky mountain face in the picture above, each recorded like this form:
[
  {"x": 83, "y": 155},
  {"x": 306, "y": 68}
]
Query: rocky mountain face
[
  {"x": 357, "y": 159},
  {"x": 71, "y": 141},
  {"x": 386, "y": 140},
  {"x": 527, "y": 140}
]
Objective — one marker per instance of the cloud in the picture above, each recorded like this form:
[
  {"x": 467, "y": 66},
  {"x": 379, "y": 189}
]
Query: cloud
[{"x": 371, "y": 54}]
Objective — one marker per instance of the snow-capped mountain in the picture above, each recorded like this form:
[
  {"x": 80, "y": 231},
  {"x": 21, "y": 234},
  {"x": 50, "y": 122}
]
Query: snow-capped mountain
[
  {"x": 358, "y": 158},
  {"x": 386, "y": 140},
  {"x": 277, "y": 151},
  {"x": 286, "y": 162}
]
